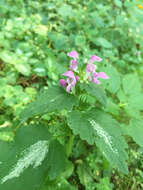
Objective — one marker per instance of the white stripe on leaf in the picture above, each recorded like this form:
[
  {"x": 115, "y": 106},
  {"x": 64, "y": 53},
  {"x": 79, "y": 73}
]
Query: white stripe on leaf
[{"x": 33, "y": 155}]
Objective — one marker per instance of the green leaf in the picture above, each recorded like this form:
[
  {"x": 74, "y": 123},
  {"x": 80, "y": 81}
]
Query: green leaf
[
  {"x": 118, "y": 3},
  {"x": 104, "y": 184},
  {"x": 84, "y": 176},
  {"x": 25, "y": 162},
  {"x": 114, "y": 82},
  {"x": 60, "y": 184},
  {"x": 80, "y": 40},
  {"x": 112, "y": 107},
  {"x": 55, "y": 98},
  {"x": 66, "y": 10},
  {"x": 79, "y": 123},
  {"x": 23, "y": 68},
  {"x": 135, "y": 130},
  {"x": 95, "y": 90},
  {"x": 6, "y": 135},
  {"x": 132, "y": 112},
  {"x": 22, "y": 162},
  {"x": 56, "y": 159},
  {"x": 103, "y": 42},
  {"x": 109, "y": 139},
  {"x": 68, "y": 170},
  {"x": 136, "y": 101},
  {"x": 131, "y": 84}
]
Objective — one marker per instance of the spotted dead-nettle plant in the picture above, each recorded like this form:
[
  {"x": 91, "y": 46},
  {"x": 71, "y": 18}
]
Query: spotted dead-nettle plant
[{"x": 46, "y": 128}]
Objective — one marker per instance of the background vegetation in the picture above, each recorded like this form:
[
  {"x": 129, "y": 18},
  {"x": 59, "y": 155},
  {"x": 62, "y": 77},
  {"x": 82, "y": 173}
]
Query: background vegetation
[{"x": 35, "y": 37}]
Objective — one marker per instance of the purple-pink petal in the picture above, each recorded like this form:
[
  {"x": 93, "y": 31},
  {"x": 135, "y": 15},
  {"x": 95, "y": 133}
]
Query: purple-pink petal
[
  {"x": 77, "y": 78},
  {"x": 95, "y": 58},
  {"x": 90, "y": 67},
  {"x": 63, "y": 83},
  {"x": 73, "y": 65},
  {"x": 69, "y": 74},
  {"x": 68, "y": 88},
  {"x": 95, "y": 80},
  {"x": 73, "y": 54},
  {"x": 102, "y": 75}
]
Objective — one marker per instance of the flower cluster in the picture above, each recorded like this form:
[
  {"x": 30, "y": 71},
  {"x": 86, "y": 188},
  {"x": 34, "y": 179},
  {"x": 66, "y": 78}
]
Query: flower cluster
[
  {"x": 71, "y": 80},
  {"x": 91, "y": 73}
]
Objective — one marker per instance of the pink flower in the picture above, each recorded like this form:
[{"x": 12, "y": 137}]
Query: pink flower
[
  {"x": 73, "y": 54},
  {"x": 70, "y": 82},
  {"x": 94, "y": 58},
  {"x": 90, "y": 67},
  {"x": 92, "y": 75},
  {"x": 63, "y": 83}
]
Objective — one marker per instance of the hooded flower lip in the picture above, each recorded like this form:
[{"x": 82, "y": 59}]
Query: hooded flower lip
[
  {"x": 90, "y": 67},
  {"x": 69, "y": 74},
  {"x": 94, "y": 58},
  {"x": 102, "y": 75},
  {"x": 73, "y": 54}
]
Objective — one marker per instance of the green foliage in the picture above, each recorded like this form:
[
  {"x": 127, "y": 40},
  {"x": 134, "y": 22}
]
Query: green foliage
[
  {"x": 109, "y": 139},
  {"x": 131, "y": 84},
  {"x": 35, "y": 37},
  {"x": 53, "y": 99},
  {"x": 79, "y": 123},
  {"x": 134, "y": 130},
  {"x": 95, "y": 91},
  {"x": 104, "y": 184},
  {"x": 56, "y": 160},
  {"x": 22, "y": 159},
  {"x": 113, "y": 85}
]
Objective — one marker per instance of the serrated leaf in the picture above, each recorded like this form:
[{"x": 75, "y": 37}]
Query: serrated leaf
[
  {"x": 131, "y": 84},
  {"x": 55, "y": 98},
  {"x": 25, "y": 161},
  {"x": 109, "y": 139},
  {"x": 135, "y": 130},
  {"x": 79, "y": 123},
  {"x": 95, "y": 90}
]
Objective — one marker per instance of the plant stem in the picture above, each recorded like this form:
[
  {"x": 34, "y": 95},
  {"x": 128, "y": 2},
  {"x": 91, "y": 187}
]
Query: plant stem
[{"x": 69, "y": 145}]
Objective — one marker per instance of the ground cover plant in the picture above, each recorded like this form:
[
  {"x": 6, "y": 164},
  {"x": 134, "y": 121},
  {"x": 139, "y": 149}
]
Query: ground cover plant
[{"x": 71, "y": 95}]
